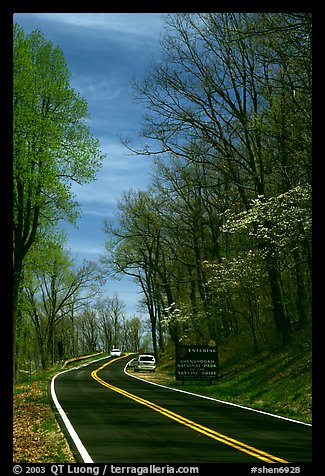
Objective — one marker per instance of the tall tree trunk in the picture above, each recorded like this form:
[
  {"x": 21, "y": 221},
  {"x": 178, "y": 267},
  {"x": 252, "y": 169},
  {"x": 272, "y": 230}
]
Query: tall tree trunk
[
  {"x": 154, "y": 333},
  {"x": 300, "y": 291},
  {"x": 17, "y": 277},
  {"x": 281, "y": 321}
]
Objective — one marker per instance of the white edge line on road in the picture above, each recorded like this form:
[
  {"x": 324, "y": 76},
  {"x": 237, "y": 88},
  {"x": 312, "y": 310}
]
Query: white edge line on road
[
  {"x": 214, "y": 399},
  {"x": 72, "y": 432}
]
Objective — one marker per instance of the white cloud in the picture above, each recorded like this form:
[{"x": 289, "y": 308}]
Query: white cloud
[
  {"x": 125, "y": 23},
  {"x": 104, "y": 89},
  {"x": 120, "y": 172},
  {"x": 79, "y": 248}
]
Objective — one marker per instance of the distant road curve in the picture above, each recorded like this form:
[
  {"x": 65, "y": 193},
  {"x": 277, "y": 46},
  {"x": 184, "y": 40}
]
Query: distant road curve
[{"x": 112, "y": 416}]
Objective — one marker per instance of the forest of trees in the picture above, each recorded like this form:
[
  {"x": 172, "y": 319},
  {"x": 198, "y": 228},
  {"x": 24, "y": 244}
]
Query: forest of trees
[{"x": 220, "y": 242}]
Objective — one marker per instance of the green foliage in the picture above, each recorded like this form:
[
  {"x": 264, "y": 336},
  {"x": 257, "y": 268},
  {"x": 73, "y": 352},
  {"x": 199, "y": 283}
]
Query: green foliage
[
  {"x": 52, "y": 148},
  {"x": 283, "y": 220},
  {"x": 53, "y": 145}
]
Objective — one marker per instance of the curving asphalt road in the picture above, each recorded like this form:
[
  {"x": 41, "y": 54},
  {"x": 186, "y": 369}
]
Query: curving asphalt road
[{"x": 114, "y": 418}]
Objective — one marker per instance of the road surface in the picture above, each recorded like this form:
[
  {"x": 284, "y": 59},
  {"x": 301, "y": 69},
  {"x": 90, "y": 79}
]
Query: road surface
[{"x": 120, "y": 419}]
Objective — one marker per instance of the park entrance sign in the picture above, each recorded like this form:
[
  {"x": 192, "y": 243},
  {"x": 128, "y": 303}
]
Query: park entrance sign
[{"x": 196, "y": 362}]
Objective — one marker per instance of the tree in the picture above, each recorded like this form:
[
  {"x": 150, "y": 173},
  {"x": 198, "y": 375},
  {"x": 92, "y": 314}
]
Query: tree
[
  {"x": 54, "y": 290},
  {"x": 283, "y": 224},
  {"x": 133, "y": 332},
  {"x": 114, "y": 308},
  {"x": 104, "y": 322},
  {"x": 134, "y": 248},
  {"x": 53, "y": 147},
  {"x": 88, "y": 330}
]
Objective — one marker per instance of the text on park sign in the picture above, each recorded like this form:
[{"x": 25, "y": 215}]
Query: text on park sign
[{"x": 196, "y": 362}]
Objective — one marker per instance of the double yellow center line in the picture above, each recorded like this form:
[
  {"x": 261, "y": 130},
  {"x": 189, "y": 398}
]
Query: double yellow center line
[{"x": 262, "y": 455}]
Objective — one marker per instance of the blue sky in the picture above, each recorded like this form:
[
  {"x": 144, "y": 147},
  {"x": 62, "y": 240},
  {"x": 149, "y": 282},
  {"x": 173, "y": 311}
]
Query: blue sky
[{"x": 104, "y": 52}]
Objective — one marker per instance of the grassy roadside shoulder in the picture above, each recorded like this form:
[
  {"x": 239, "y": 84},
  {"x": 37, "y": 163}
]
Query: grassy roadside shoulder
[
  {"x": 277, "y": 381},
  {"x": 37, "y": 436}
]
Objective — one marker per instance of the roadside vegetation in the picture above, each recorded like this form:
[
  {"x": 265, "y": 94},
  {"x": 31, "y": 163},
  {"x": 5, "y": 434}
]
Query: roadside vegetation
[
  {"x": 37, "y": 437},
  {"x": 277, "y": 380}
]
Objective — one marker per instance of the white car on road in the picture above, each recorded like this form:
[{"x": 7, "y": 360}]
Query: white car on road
[
  {"x": 115, "y": 353},
  {"x": 145, "y": 362}
]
